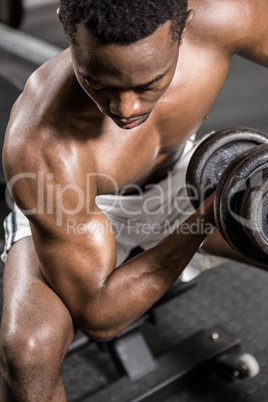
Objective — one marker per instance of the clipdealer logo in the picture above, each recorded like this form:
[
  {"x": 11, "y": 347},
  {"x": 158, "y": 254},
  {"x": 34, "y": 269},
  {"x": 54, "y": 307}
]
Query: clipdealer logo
[
  {"x": 66, "y": 202},
  {"x": 70, "y": 199},
  {"x": 133, "y": 226}
]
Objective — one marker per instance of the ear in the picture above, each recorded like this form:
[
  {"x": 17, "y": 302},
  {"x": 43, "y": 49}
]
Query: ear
[
  {"x": 190, "y": 16},
  {"x": 59, "y": 13}
]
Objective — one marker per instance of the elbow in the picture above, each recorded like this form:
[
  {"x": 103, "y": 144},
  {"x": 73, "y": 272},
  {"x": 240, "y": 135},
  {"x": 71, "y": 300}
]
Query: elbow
[
  {"x": 99, "y": 329},
  {"x": 97, "y": 318},
  {"x": 99, "y": 334}
]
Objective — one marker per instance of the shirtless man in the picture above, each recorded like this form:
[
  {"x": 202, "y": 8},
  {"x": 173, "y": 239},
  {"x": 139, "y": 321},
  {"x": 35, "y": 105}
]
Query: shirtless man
[{"x": 114, "y": 111}]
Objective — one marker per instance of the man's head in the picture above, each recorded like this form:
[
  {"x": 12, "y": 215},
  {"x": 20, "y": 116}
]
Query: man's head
[
  {"x": 124, "y": 53},
  {"x": 122, "y": 21}
]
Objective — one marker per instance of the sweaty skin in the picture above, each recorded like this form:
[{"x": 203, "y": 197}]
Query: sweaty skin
[
  {"x": 76, "y": 117},
  {"x": 112, "y": 111}
]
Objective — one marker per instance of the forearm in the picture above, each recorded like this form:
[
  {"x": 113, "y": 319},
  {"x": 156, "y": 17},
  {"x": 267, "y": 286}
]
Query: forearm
[
  {"x": 134, "y": 287},
  {"x": 216, "y": 245}
]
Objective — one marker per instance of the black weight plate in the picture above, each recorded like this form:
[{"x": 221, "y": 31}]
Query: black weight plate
[
  {"x": 213, "y": 155},
  {"x": 228, "y": 172},
  {"x": 228, "y": 197},
  {"x": 254, "y": 208}
]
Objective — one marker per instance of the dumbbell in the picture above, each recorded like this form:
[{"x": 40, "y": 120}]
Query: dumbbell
[{"x": 234, "y": 162}]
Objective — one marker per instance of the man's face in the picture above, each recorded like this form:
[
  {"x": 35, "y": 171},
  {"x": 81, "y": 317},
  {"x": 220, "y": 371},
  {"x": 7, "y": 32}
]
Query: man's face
[{"x": 125, "y": 82}]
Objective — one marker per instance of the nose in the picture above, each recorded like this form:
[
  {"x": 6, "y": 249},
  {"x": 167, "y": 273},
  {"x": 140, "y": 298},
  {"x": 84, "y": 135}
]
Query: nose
[{"x": 125, "y": 104}]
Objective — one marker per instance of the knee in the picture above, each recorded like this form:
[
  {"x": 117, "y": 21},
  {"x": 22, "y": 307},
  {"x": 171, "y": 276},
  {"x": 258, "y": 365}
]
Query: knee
[{"x": 23, "y": 352}]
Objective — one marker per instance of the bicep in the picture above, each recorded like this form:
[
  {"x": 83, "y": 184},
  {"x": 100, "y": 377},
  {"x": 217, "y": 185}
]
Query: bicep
[{"x": 76, "y": 259}]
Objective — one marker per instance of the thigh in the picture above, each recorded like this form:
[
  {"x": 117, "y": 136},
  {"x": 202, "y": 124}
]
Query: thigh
[{"x": 31, "y": 309}]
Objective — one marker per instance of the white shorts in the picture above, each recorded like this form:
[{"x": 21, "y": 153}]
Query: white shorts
[{"x": 138, "y": 220}]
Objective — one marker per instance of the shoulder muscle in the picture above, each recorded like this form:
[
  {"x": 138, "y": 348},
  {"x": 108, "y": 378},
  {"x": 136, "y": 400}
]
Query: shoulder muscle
[{"x": 234, "y": 26}]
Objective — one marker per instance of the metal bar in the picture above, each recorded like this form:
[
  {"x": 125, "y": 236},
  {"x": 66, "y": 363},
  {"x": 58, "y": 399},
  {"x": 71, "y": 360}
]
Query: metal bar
[
  {"x": 26, "y": 46},
  {"x": 38, "y": 3}
]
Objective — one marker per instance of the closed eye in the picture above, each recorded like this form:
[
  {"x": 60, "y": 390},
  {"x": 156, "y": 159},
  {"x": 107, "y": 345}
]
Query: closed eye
[
  {"x": 156, "y": 86},
  {"x": 148, "y": 89},
  {"x": 93, "y": 85}
]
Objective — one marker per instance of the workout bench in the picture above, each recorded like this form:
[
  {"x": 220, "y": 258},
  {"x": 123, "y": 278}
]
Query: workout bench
[{"x": 146, "y": 378}]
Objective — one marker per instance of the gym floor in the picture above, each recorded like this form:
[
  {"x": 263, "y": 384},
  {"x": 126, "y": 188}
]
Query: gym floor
[{"x": 232, "y": 295}]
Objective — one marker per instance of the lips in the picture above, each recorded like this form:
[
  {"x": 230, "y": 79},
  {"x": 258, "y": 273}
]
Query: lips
[{"x": 131, "y": 124}]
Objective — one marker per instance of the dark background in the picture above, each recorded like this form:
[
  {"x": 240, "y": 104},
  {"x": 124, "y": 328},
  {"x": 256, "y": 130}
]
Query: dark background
[{"x": 234, "y": 295}]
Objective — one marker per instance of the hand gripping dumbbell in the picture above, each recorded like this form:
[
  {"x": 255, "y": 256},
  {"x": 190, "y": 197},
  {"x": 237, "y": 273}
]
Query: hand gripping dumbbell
[{"x": 234, "y": 162}]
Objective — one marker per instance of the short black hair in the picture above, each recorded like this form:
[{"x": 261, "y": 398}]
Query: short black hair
[{"x": 122, "y": 22}]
